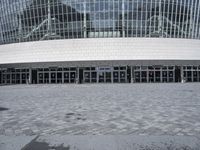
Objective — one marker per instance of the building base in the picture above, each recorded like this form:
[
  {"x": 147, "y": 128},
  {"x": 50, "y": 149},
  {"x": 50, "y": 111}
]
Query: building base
[{"x": 99, "y": 74}]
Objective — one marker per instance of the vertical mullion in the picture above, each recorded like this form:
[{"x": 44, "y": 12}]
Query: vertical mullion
[
  {"x": 167, "y": 27},
  {"x": 197, "y": 24},
  {"x": 163, "y": 17},
  {"x": 104, "y": 20},
  {"x": 175, "y": 34},
  {"x": 1, "y": 34},
  {"x": 132, "y": 19},
  {"x": 6, "y": 22},
  {"x": 172, "y": 13},
  {"x": 180, "y": 15},
  {"x": 141, "y": 18},
  {"x": 72, "y": 21},
  {"x": 183, "y": 23},
  {"x": 76, "y": 20},
  {"x": 114, "y": 19},
  {"x": 60, "y": 22},
  {"x": 194, "y": 22},
  {"x": 150, "y": 18},
  {"x": 137, "y": 7},
  {"x": 100, "y": 28},
  {"x": 187, "y": 20},
  {"x": 155, "y": 16},
  {"x": 63, "y": 19},
  {"x": 191, "y": 18},
  {"x": 127, "y": 19},
  {"x": 15, "y": 11},
  {"x": 146, "y": 14}
]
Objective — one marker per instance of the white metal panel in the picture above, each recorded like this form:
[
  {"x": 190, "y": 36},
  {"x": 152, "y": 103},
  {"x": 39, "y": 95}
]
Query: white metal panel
[{"x": 101, "y": 49}]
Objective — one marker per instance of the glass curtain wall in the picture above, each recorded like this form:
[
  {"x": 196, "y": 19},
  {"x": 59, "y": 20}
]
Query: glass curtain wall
[{"x": 37, "y": 20}]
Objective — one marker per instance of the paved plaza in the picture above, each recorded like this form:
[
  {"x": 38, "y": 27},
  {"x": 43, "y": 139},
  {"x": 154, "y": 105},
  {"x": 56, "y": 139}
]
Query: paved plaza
[{"x": 100, "y": 109}]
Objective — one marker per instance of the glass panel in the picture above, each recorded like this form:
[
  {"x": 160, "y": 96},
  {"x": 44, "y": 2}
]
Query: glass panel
[{"x": 35, "y": 20}]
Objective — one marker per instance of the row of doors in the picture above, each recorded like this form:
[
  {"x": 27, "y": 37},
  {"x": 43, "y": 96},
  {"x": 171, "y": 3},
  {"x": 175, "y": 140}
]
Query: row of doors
[
  {"x": 105, "y": 77},
  {"x": 54, "y": 77}
]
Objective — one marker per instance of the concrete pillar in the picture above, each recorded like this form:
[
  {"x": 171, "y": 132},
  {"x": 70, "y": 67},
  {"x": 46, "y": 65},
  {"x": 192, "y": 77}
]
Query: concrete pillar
[
  {"x": 37, "y": 77},
  {"x": 49, "y": 77},
  {"x": 20, "y": 73},
  {"x": 182, "y": 75},
  {"x": 30, "y": 76},
  {"x": 62, "y": 76},
  {"x": 69, "y": 76},
  {"x": 161, "y": 76},
  {"x": 112, "y": 74},
  {"x": 119, "y": 76},
  {"x": 192, "y": 74},
  {"x": 147, "y": 75},
  {"x": 167, "y": 74},
  {"x": 56, "y": 77},
  {"x": 140, "y": 75},
  {"x": 11, "y": 77},
  {"x": 131, "y": 74},
  {"x": 0, "y": 77},
  {"x": 78, "y": 76},
  {"x": 97, "y": 74}
]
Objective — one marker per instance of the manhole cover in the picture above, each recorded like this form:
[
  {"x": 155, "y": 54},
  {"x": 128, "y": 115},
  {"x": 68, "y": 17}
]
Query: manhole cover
[{"x": 3, "y": 108}]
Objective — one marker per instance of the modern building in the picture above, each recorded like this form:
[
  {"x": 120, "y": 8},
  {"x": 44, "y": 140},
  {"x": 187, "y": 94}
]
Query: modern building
[{"x": 99, "y": 41}]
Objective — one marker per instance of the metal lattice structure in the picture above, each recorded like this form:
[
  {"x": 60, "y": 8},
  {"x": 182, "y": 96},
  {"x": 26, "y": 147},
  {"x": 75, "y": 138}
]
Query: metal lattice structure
[{"x": 35, "y": 20}]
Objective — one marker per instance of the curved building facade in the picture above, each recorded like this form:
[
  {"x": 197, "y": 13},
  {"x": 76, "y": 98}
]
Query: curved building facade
[{"x": 106, "y": 41}]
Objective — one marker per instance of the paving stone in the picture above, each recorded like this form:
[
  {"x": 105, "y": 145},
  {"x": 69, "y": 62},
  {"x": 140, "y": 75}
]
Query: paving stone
[{"x": 152, "y": 109}]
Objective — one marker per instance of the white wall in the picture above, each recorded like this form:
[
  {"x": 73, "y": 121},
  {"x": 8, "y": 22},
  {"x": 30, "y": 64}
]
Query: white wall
[{"x": 101, "y": 49}]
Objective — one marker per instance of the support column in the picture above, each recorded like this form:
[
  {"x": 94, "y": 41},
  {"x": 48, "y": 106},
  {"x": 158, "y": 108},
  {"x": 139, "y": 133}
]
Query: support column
[
  {"x": 56, "y": 76},
  {"x": 49, "y": 77},
  {"x": 182, "y": 75},
  {"x": 90, "y": 75},
  {"x": 167, "y": 74},
  {"x": 140, "y": 74},
  {"x": 20, "y": 73},
  {"x": 174, "y": 72},
  {"x": 161, "y": 76},
  {"x": 69, "y": 75},
  {"x": 62, "y": 76},
  {"x": 131, "y": 74},
  {"x": 0, "y": 76},
  {"x": 11, "y": 77},
  {"x": 30, "y": 76},
  {"x": 77, "y": 76},
  {"x": 192, "y": 74},
  {"x": 112, "y": 75},
  {"x": 147, "y": 75},
  {"x": 119, "y": 76},
  {"x": 37, "y": 77},
  {"x": 97, "y": 69}
]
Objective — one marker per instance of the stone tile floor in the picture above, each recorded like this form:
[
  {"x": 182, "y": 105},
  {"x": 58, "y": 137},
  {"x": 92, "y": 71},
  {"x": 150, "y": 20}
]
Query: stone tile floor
[{"x": 125, "y": 109}]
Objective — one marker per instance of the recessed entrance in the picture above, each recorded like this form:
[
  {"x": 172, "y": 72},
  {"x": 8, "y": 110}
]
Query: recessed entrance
[{"x": 115, "y": 74}]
